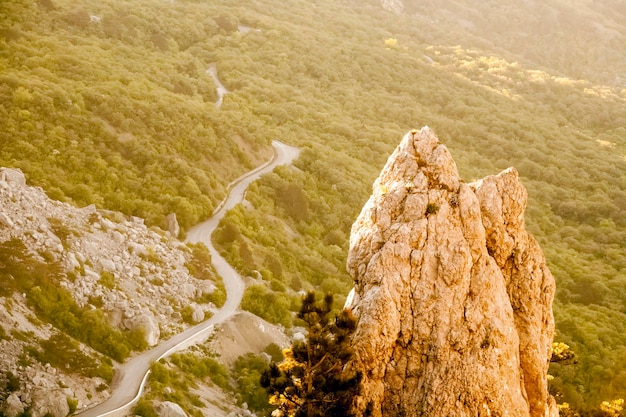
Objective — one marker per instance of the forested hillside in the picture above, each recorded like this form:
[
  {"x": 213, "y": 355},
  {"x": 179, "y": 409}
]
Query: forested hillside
[{"x": 109, "y": 102}]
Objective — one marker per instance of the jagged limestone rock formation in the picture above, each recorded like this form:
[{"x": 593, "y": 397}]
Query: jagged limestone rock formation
[{"x": 453, "y": 296}]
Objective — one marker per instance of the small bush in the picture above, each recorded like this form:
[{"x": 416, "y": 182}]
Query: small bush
[
  {"x": 275, "y": 352},
  {"x": 13, "y": 382},
  {"x": 144, "y": 408},
  {"x": 187, "y": 314},
  {"x": 152, "y": 256},
  {"x": 107, "y": 279},
  {"x": 72, "y": 403},
  {"x": 95, "y": 301},
  {"x": 3, "y": 334},
  {"x": 200, "y": 265},
  {"x": 247, "y": 372},
  {"x": 157, "y": 281},
  {"x": 275, "y": 308},
  {"x": 61, "y": 230},
  {"x": 431, "y": 208}
]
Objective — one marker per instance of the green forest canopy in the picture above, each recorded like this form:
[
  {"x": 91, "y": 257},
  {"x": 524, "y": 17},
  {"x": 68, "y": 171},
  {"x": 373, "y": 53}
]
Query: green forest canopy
[{"x": 109, "y": 102}]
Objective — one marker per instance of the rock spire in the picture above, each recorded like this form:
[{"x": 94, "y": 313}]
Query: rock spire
[{"x": 453, "y": 295}]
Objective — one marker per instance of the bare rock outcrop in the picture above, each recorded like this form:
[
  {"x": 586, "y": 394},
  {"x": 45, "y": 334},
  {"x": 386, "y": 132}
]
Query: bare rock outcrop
[
  {"x": 170, "y": 409},
  {"x": 453, "y": 296},
  {"x": 12, "y": 176},
  {"x": 172, "y": 225},
  {"x": 131, "y": 273},
  {"x": 12, "y": 405},
  {"x": 49, "y": 402},
  {"x": 147, "y": 324}
]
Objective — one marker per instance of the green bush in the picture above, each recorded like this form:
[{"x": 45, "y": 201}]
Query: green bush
[
  {"x": 13, "y": 382},
  {"x": 200, "y": 265},
  {"x": 247, "y": 373},
  {"x": 144, "y": 408},
  {"x": 3, "y": 334},
  {"x": 432, "y": 208},
  {"x": 63, "y": 352},
  {"x": 72, "y": 403},
  {"x": 202, "y": 367},
  {"x": 273, "y": 307},
  {"x": 107, "y": 279}
]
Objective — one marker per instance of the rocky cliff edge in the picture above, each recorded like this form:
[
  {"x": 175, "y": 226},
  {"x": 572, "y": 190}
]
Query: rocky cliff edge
[{"x": 453, "y": 296}]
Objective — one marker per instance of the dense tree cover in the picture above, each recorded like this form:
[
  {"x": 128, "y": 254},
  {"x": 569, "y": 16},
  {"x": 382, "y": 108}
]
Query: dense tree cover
[
  {"x": 104, "y": 102},
  {"x": 108, "y": 102}
]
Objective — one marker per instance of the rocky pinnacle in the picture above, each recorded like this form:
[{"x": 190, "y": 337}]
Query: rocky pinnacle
[{"x": 453, "y": 295}]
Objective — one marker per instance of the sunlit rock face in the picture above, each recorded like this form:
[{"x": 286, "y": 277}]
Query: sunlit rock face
[{"x": 453, "y": 296}]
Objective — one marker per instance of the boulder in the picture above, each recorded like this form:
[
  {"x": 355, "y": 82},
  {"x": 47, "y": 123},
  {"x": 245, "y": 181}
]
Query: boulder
[
  {"x": 12, "y": 176},
  {"x": 186, "y": 290},
  {"x": 12, "y": 406},
  {"x": 170, "y": 409},
  {"x": 198, "y": 314},
  {"x": 148, "y": 324},
  {"x": 204, "y": 288},
  {"x": 172, "y": 225},
  {"x": 49, "y": 402}
]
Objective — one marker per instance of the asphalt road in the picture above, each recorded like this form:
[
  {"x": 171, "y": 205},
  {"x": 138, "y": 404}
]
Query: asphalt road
[{"x": 129, "y": 376}]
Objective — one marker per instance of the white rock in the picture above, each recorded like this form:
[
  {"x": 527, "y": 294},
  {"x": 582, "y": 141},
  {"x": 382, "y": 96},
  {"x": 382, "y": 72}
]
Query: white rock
[
  {"x": 170, "y": 409},
  {"x": 147, "y": 323},
  {"x": 198, "y": 314},
  {"x": 12, "y": 405},
  {"x": 137, "y": 248},
  {"x": 107, "y": 264},
  {"x": 186, "y": 290},
  {"x": 172, "y": 225},
  {"x": 6, "y": 221},
  {"x": 107, "y": 224},
  {"x": 49, "y": 402},
  {"x": 117, "y": 237},
  {"x": 204, "y": 288},
  {"x": 12, "y": 176}
]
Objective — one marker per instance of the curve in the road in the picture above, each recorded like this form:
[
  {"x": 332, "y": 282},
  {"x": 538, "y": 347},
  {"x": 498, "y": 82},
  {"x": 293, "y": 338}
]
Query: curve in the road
[
  {"x": 221, "y": 90},
  {"x": 129, "y": 377}
]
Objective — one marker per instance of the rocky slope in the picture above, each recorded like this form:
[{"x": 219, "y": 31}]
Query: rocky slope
[
  {"x": 453, "y": 296},
  {"x": 135, "y": 276}
]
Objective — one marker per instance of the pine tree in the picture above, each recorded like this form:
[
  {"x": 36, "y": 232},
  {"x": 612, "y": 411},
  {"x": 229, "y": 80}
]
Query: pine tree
[{"x": 312, "y": 380}]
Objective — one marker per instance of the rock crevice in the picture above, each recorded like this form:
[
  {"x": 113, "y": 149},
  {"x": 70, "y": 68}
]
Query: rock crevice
[{"x": 452, "y": 294}]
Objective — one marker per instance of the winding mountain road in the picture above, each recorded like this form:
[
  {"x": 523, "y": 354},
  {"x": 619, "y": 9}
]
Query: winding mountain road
[
  {"x": 221, "y": 90},
  {"x": 131, "y": 376}
]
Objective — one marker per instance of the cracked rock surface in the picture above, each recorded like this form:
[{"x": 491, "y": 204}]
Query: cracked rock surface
[{"x": 453, "y": 295}]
